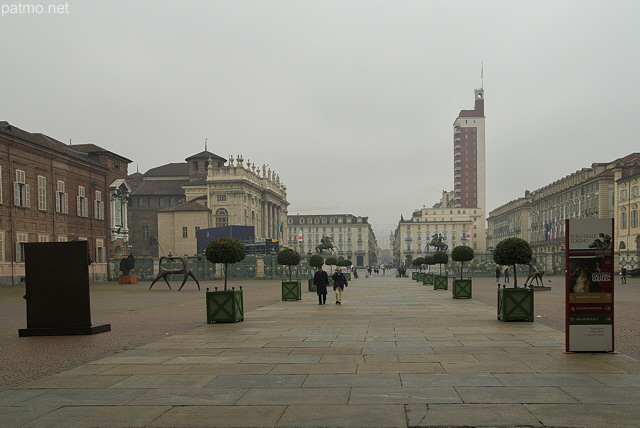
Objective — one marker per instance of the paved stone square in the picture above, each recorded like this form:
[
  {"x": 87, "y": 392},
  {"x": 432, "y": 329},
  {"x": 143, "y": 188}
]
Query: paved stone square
[{"x": 396, "y": 353}]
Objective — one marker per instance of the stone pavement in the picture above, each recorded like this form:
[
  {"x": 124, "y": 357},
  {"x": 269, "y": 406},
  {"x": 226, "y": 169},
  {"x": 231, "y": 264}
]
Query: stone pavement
[{"x": 395, "y": 354}]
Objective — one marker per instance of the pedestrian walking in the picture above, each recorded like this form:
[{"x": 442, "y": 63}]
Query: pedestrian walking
[
  {"x": 623, "y": 275},
  {"x": 339, "y": 282},
  {"x": 498, "y": 274},
  {"x": 320, "y": 280},
  {"x": 506, "y": 274}
]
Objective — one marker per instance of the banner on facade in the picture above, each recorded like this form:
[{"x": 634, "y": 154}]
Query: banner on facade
[{"x": 589, "y": 278}]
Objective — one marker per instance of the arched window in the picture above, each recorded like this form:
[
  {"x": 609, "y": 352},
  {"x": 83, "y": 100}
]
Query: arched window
[{"x": 222, "y": 217}]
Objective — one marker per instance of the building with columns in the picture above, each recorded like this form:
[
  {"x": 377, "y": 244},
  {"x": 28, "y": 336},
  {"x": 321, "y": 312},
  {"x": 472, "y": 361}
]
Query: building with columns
[{"x": 240, "y": 193}]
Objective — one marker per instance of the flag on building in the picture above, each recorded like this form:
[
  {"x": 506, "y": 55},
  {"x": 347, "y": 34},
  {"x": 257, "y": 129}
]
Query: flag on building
[{"x": 300, "y": 237}]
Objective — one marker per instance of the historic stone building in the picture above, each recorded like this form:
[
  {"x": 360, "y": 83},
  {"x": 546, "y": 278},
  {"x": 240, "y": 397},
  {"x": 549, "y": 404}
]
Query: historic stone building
[
  {"x": 511, "y": 220},
  {"x": 627, "y": 229},
  {"x": 236, "y": 194},
  {"x": 352, "y": 236},
  {"x": 602, "y": 191},
  {"x": 55, "y": 192},
  {"x": 457, "y": 226}
]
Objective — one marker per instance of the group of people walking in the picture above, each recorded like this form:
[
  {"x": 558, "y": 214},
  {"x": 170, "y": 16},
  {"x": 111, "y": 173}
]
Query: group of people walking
[
  {"x": 499, "y": 273},
  {"x": 321, "y": 281}
]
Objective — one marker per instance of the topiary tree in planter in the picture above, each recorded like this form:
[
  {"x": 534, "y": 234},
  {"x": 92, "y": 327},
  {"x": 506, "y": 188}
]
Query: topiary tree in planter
[
  {"x": 225, "y": 250},
  {"x": 331, "y": 261},
  {"x": 288, "y": 257},
  {"x": 316, "y": 261},
  {"x": 462, "y": 254},
  {"x": 429, "y": 261},
  {"x": 418, "y": 262},
  {"x": 441, "y": 258},
  {"x": 513, "y": 251}
]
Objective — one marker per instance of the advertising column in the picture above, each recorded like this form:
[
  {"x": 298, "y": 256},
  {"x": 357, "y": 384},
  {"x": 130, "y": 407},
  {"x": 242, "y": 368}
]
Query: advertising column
[{"x": 589, "y": 285}]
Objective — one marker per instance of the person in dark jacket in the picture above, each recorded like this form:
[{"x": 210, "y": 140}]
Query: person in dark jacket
[
  {"x": 339, "y": 282},
  {"x": 498, "y": 274},
  {"x": 320, "y": 280}
]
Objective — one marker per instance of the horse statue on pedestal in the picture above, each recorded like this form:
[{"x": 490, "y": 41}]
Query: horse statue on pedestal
[
  {"x": 326, "y": 244},
  {"x": 438, "y": 242}
]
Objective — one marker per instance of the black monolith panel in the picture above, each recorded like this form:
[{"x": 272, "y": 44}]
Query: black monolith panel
[{"x": 57, "y": 290}]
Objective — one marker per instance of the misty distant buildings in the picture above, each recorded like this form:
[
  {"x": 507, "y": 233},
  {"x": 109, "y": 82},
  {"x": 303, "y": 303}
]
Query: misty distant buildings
[
  {"x": 459, "y": 217},
  {"x": 351, "y": 235},
  {"x": 604, "y": 190}
]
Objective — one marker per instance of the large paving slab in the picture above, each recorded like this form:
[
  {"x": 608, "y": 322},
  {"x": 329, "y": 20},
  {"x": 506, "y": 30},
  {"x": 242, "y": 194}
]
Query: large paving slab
[{"x": 395, "y": 354}]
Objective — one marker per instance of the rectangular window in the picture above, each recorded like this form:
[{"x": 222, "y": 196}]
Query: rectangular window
[
  {"x": 221, "y": 198},
  {"x": 145, "y": 233},
  {"x": 43, "y": 238},
  {"x": 100, "y": 251},
  {"x": 82, "y": 202},
  {"x": 98, "y": 206},
  {"x": 197, "y": 229},
  {"x": 185, "y": 232},
  {"x": 623, "y": 220},
  {"x": 62, "y": 198},
  {"x": 21, "y": 239},
  {"x": 634, "y": 192},
  {"x": 42, "y": 193},
  {"x": 634, "y": 218},
  {"x": 62, "y": 239},
  {"x": 623, "y": 194},
  {"x": 161, "y": 202},
  {"x": 21, "y": 190}
]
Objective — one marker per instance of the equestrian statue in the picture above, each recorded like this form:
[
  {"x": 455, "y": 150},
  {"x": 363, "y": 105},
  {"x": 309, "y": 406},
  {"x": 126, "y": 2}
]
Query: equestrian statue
[
  {"x": 326, "y": 244},
  {"x": 438, "y": 242}
]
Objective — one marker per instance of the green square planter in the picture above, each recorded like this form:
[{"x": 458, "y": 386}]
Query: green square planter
[
  {"x": 440, "y": 282},
  {"x": 427, "y": 279},
  {"x": 461, "y": 288},
  {"x": 291, "y": 290},
  {"x": 348, "y": 276},
  {"x": 312, "y": 286},
  {"x": 225, "y": 306},
  {"x": 414, "y": 276},
  {"x": 515, "y": 304}
]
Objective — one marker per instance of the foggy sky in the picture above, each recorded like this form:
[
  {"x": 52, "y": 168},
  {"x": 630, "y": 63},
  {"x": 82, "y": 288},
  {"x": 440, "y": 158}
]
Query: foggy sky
[{"x": 352, "y": 103}]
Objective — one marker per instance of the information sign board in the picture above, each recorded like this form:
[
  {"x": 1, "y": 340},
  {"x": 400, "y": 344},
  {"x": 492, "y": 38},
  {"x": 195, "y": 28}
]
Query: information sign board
[{"x": 589, "y": 302}]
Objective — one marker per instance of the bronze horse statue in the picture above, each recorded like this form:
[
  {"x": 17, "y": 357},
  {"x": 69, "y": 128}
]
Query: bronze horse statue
[
  {"x": 437, "y": 241},
  {"x": 163, "y": 273},
  {"x": 326, "y": 244}
]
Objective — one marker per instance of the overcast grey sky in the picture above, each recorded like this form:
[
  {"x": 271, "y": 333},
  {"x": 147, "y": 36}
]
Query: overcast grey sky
[{"x": 351, "y": 102}]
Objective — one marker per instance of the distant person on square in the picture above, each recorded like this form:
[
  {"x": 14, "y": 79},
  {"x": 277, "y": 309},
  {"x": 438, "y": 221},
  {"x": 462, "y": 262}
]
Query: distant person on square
[
  {"x": 320, "y": 280},
  {"x": 498, "y": 274},
  {"x": 506, "y": 274},
  {"x": 339, "y": 282},
  {"x": 623, "y": 274}
]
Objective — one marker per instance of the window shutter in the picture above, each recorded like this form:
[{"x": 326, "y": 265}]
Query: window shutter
[
  {"x": 16, "y": 193},
  {"x": 27, "y": 195}
]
